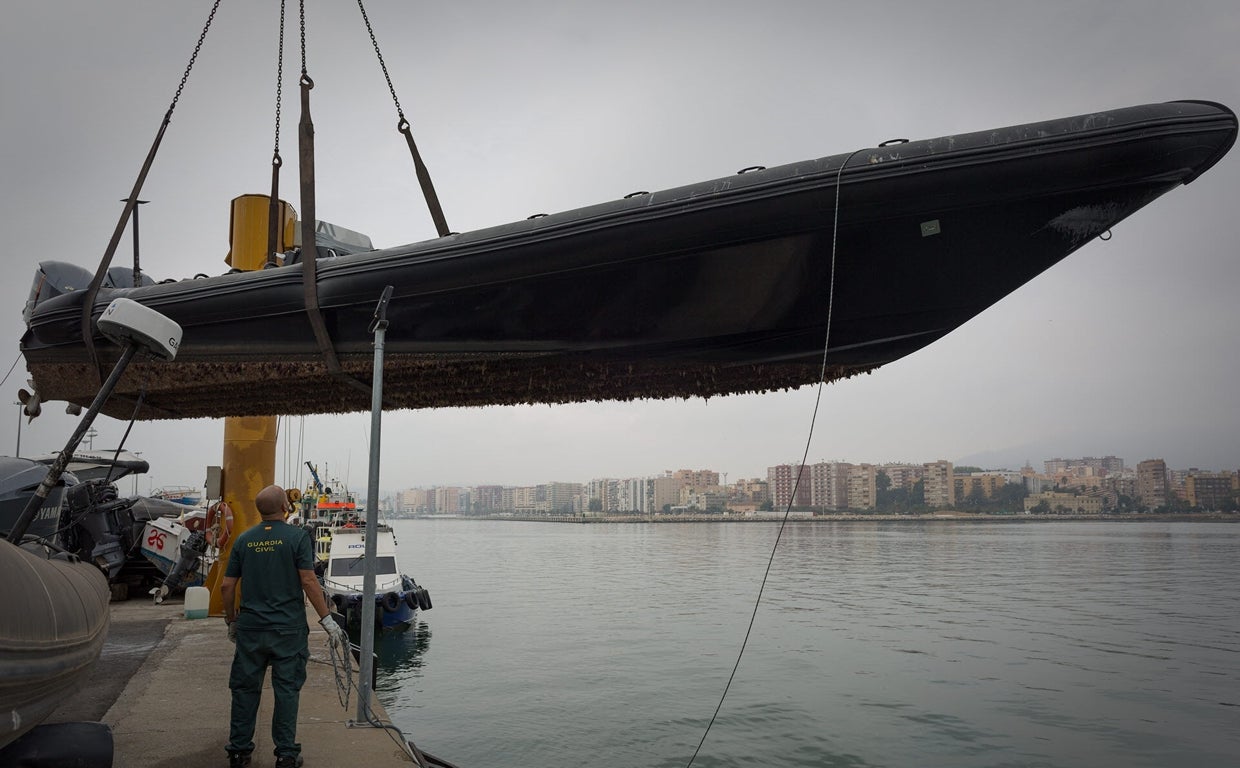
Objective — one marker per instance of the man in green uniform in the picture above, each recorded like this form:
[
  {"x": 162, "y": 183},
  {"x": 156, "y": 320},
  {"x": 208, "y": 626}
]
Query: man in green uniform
[{"x": 274, "y": 562}]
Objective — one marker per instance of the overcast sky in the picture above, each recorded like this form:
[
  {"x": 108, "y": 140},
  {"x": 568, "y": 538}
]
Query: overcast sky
[{"x": 1128, "y": 347}]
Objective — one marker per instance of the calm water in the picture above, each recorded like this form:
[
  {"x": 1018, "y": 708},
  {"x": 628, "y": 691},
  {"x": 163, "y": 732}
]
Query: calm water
[{"x": 1053, "y": 644}]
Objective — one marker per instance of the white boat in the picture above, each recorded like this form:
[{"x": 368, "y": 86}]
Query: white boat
[
  {"x": 179, "y": 494},
  {"x": 185, "y": 548},
  {"x": 397, "y": 596}
]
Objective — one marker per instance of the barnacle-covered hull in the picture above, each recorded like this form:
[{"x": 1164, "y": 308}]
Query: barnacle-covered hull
[{"x": 721, "y": 287}]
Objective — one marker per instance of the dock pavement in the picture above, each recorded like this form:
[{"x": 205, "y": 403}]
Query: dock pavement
[{"x": 161, "y": 685}]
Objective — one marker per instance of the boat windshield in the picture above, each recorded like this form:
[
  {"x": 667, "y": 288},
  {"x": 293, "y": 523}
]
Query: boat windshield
[{"x": 356, "y": 566}]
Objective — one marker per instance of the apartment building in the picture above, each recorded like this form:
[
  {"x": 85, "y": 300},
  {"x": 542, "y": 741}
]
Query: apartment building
[
  {"x": 1209, "y": 490},
  {"x": 862, "y": 488},
  {"x": 903, "y": 475},
  {"x": 782, "y": 478},
  {"x": 939, "y": 484},
  {"x": 987, "y": 484},
  {"x": 1065, "y": 503},
  {"x": 697, "y": 478},
  {"x": 828, "y": 484},
  {"x": 1152, "y": 483}
]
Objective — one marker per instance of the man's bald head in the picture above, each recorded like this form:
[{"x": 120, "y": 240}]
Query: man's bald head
[{"x": 271, "y": 501}]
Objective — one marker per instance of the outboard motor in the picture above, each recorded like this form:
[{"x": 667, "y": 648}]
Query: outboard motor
[
  {"x": 97, "y": 526},
  {"x": 188, "y": 560},
  {"x": 52, "y": 279}
]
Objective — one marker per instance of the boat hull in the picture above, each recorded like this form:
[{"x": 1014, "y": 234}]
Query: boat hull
[
  {"x": 163, "y": 544},
  {"x": 395, "y": 617},
  {"x": 57, "y": 611},
  {"x": 716, "y": 288}
]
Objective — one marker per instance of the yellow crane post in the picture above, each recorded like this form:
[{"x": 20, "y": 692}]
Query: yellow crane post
[{"x": 249, "y": 461}]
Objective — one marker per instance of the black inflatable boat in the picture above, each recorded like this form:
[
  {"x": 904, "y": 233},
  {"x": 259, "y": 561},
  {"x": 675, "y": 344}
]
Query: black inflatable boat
[{"x": 715, "y": 288}]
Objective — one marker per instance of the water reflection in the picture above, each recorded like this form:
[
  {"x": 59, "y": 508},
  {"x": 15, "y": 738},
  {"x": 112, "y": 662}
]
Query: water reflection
[{"x": 402, "y": 654}]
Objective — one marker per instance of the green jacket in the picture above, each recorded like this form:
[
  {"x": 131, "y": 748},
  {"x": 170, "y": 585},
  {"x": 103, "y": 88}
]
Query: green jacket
[{"x": 267, "y": 558}]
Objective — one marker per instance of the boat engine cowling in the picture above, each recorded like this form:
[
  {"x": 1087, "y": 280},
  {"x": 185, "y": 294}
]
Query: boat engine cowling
[{"x": 97, "y": 526}]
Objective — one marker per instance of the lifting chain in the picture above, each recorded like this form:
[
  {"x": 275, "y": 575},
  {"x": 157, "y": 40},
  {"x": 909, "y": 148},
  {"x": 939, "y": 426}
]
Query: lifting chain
[
  {"x": 193, "y": 57},
  {"x": 402, "y": 125},
  {"x": 274, "y": 219},
  {"x": 131, "y": 202}
]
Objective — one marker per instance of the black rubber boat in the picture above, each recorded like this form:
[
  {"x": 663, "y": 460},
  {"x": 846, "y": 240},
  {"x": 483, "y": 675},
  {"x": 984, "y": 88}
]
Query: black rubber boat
[{"x": 715, "y": 288}]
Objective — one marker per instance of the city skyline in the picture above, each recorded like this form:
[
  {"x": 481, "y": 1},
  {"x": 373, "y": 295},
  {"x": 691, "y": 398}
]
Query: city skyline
[
  {"x": 727, "y": 478},
  {"x": 1088, "y": 485}
]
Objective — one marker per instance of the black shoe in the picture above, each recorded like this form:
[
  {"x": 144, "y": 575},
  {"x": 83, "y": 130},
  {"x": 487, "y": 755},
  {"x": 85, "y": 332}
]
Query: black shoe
[
  {"x": 289, "y": 761},
  {"x": 238, "y": 759}
]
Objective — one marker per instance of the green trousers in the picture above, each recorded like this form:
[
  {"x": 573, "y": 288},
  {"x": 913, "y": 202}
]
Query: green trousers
[{"x": 286, "y": 652}]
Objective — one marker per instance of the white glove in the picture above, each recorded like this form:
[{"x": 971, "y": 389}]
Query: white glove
[
  {"x": 335, "y": 635},
  {"x": 232, "y": 631}
]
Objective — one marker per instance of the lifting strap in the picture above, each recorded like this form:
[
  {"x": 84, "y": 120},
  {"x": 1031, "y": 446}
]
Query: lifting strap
[
  {"x": 402, "y": 125},
  {"x": 309, "y": 251}
]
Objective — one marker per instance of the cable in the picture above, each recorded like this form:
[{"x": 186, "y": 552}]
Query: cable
[
  {"x": 11, "y": 367},
  {"x": 809, "y": 438},
  {"x": 342, "y": 668},
  {"x": 133, "y": 417}
]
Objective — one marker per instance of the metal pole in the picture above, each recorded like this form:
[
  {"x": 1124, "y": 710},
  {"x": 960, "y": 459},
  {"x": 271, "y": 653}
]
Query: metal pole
[
  {"x": 378, "y": 326},
  {"x": 137, "y": 269},
  {"x": 58, "y": 466},
  {"x": 18, "y": 450}
]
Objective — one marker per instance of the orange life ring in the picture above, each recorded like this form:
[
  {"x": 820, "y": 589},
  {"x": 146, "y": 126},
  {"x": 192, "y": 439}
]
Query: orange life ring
[{"x": 221, "y": 513}]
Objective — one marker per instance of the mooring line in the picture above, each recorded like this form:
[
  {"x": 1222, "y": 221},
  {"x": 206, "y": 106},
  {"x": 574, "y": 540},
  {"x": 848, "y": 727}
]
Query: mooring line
[{"x": 822, "y": 377}]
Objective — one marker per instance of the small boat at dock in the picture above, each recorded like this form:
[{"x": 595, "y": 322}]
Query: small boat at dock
[{"x": 398, "y": 597}]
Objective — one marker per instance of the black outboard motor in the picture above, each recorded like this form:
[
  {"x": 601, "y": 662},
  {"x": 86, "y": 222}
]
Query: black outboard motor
[
  {"x": 186, "y": 566},
  {"x": 18, "y": 479},
  {"x": 97, "y": 526}
]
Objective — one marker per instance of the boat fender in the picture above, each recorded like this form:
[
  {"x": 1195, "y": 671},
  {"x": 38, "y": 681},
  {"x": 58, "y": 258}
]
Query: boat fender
[
  {"x": 411, "y": 600},
  {"x": 391, "y": 602},
  {"x": 338, "y": 602},
  {"x": 424, "y": 599},
  {"x": 221, "y": 513}
]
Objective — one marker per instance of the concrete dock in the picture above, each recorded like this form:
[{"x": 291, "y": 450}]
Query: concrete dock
[{"x": 161, "y": 684}]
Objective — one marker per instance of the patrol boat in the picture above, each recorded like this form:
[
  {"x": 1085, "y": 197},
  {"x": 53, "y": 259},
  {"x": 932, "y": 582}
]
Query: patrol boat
[{"x": 397, "y": 596}]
